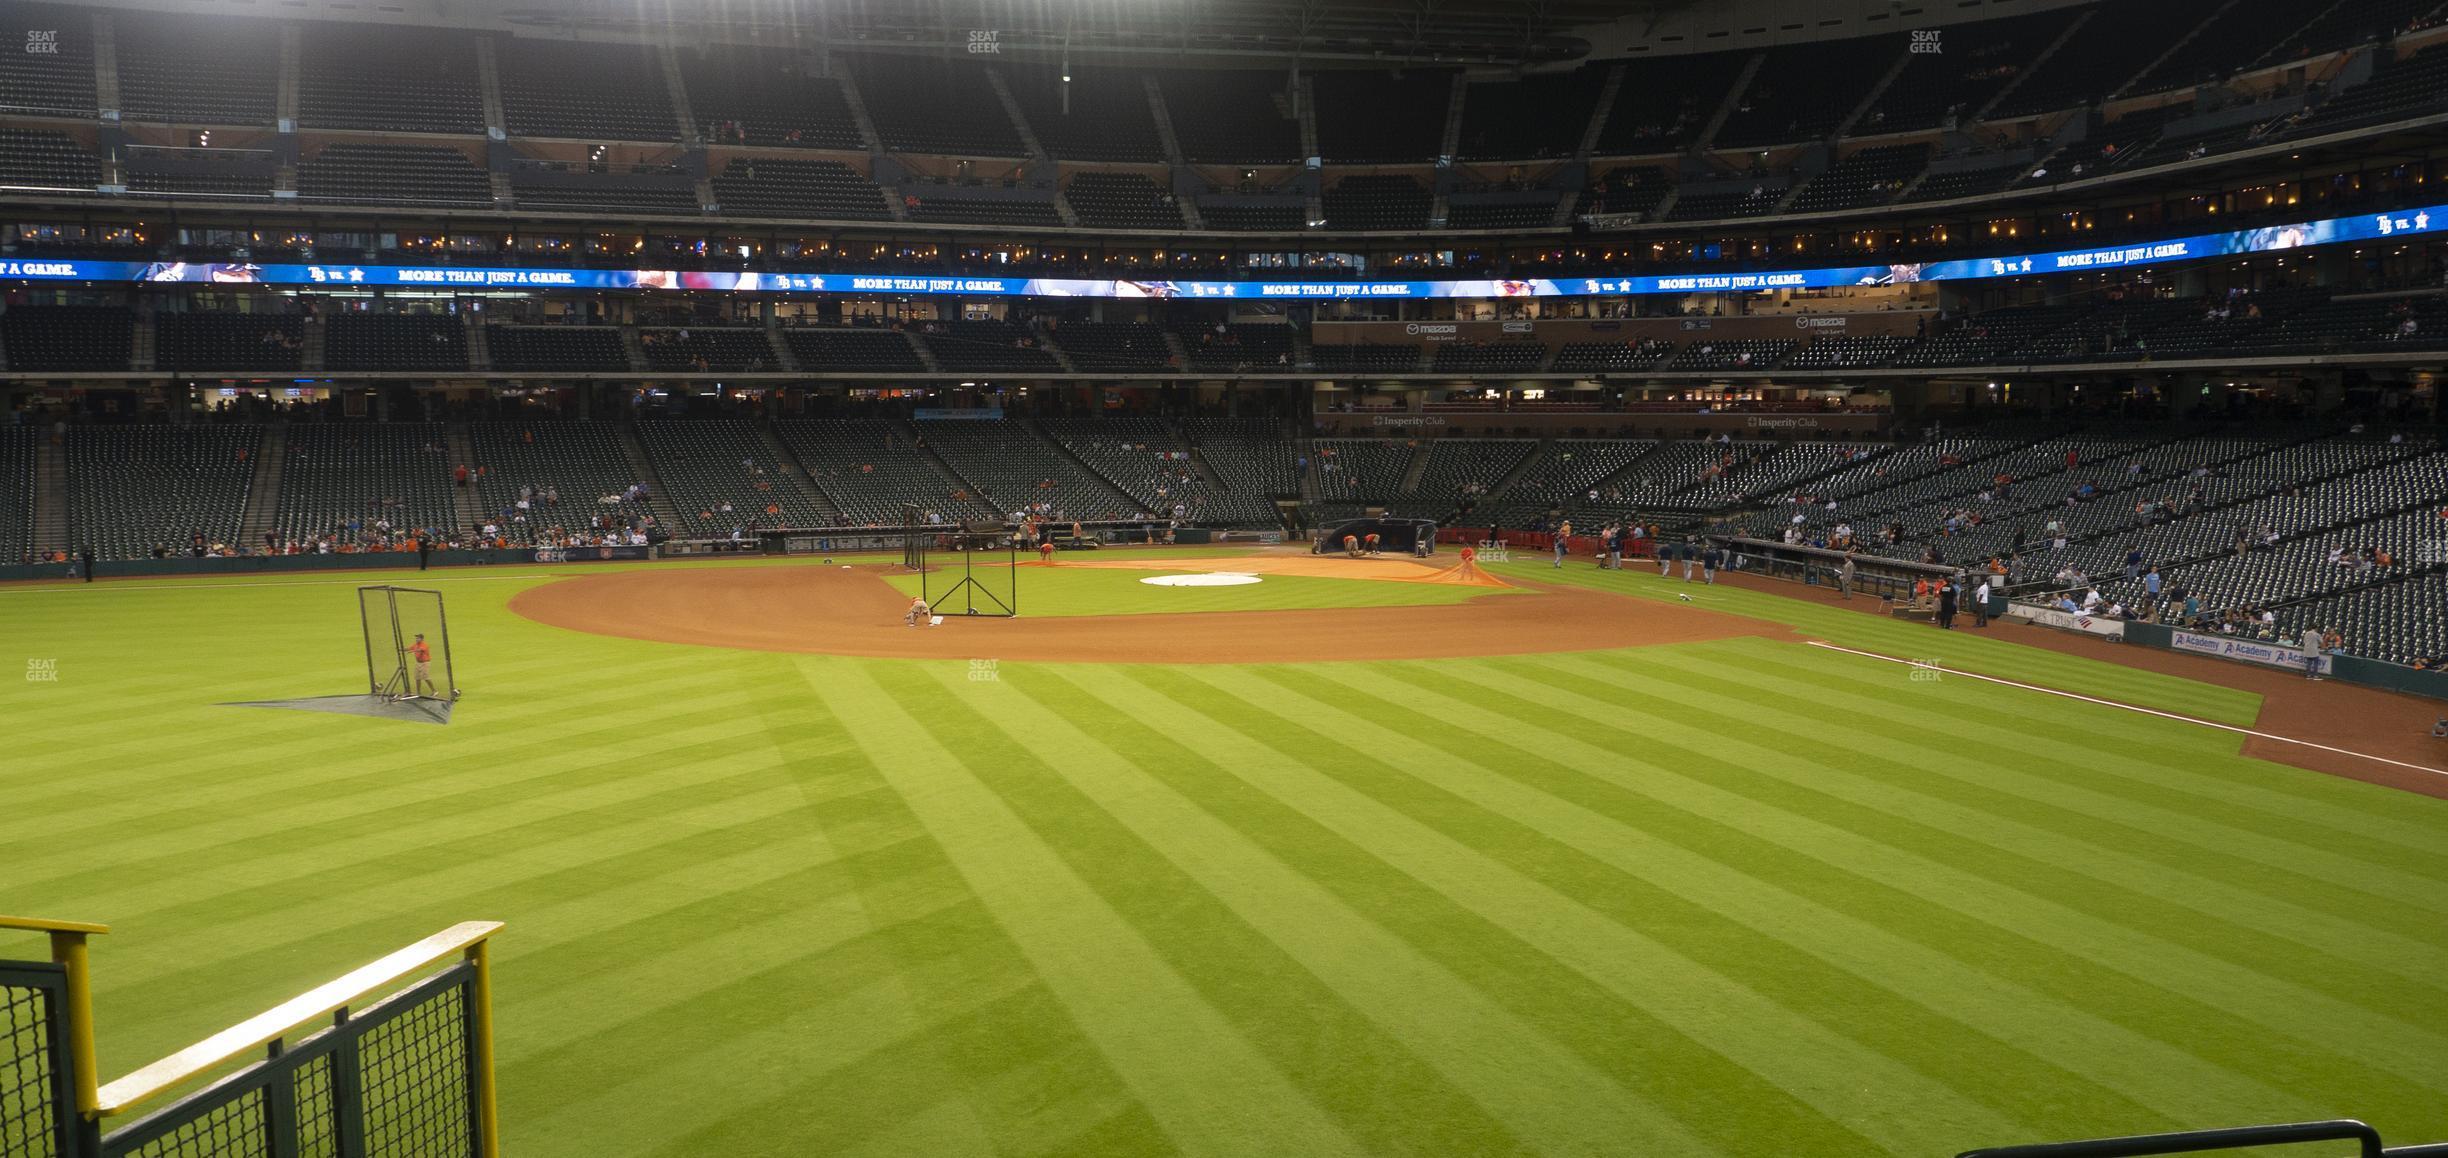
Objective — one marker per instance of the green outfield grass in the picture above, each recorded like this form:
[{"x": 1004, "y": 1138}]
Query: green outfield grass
[
  {"x": 1106, "y": 591},
  {"x": 1741, "y": 898}
]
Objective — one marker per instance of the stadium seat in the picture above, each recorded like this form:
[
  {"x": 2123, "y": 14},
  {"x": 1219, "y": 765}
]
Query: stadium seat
[
  {"x": 360, "y": 341},
  {"x": 567, "y": 348},
  {"x": 67, "y": 337},
  {"x": 134, "y": 488},
  {"x": 596, "y": 92},
  {"x": 389, "y": 78}
]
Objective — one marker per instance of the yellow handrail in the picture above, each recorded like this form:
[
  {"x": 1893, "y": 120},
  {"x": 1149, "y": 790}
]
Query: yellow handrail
[
  {"x": 68, "y": 952},
  {"x": 465, "y": 939},
  {"x": 39, "y": 925}
]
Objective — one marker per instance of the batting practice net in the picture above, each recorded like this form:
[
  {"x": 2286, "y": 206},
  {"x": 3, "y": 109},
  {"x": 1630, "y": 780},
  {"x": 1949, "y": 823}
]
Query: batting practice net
[{"x": 407, "y": 640}]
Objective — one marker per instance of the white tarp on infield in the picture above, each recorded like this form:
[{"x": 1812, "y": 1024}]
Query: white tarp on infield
[{"x": 1205, "y": 579}]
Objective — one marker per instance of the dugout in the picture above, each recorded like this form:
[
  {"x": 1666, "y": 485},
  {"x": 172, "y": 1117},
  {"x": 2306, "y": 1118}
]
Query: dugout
[{"x": 1394, "y": 536}]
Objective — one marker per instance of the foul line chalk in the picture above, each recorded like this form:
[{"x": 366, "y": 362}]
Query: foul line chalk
[{"x": 2132, "y": 708}]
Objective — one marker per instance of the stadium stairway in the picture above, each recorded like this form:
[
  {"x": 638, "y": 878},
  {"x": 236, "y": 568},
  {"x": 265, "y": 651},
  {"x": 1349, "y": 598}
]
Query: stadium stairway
[
  {"x": 466, "y": 506},
  {"x": 953, "y": 479},
  {"x": 1114, "y": 490},
  {"x": 106, "y": 64},
  {"x": 51, "y": 528},
  {"x": 488, "y": 87},
  {"x": 1206, "y": 472},
  {"x": 2025, "y": 73},
  {"x": 1716, "y": 123},
  {"x": 801, "y": 479},
  {"x": 2208, "y": 19},
  {"x": 1497, "y": 490},
  {"x": 783, "y": 355},
  {"x": 2115, "y": 534},
  {"x": 667, "y": 62},
  {"x": 479, "y": 350},
  {"x": 311, "y": 344},
  {"x": 285, "y": 87},
  {"x": 1062, "y": 357},
  {"x": 657, "y": 499},
  {"x": 1412, "y": 471},
  {"x": 633, "y": 350},
  {"x": 271, "y": 457},
  {"x": 1591, "y": 131}
]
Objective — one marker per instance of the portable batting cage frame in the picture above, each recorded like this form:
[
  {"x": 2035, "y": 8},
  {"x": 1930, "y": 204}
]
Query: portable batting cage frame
[
  {"x": 913, "y": 548},
  {"x": 970, "y": 542},
  {"x": 392, "y": 617}
]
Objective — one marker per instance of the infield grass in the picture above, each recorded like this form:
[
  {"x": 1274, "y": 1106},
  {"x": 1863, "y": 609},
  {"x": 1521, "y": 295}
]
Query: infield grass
[
  {"x": 1068, "y": 591},
  {"x": 1733, "y": 898}
]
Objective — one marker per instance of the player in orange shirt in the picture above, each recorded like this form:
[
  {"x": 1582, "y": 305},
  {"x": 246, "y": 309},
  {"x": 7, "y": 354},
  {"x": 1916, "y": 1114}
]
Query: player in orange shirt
[
  {"x": 423, "y": 655},
  {"x": 1045, "y": 552}
]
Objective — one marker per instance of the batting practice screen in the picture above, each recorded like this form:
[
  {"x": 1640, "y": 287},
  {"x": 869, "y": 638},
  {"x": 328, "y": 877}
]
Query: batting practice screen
[{"x": 408, "y": 652}]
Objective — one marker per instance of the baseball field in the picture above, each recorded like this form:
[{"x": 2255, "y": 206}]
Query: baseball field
[{"x": 1325, "y": 863}]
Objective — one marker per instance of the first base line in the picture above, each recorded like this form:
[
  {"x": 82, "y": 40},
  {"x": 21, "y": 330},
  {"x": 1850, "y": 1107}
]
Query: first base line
[{"x": 2131, "y": 708}]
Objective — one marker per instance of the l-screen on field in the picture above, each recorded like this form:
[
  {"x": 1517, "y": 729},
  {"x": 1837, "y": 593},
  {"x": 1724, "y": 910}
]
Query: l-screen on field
[{"x": 1570, "y": 865}]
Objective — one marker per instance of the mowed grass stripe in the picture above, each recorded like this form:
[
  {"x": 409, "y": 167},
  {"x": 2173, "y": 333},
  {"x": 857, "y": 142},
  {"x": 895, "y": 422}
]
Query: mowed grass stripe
[
  {"x": 1212, "y": 1091},
  {"x": 1870, "y": 1016},
  {"x": 1214, "y": 947},
  {"x": 2099, "y": 756},
  {"x": 1906, "y": 771},
  {"x": 795, "y": 1045},
  {"x": 2205, "y": 861},
  {"x": 697, "y": 973},
  {"x": 316, "y": 929},
  {"x": 1966, "y": 650},
  {"x": 1780, "y": 797},
  {"x": 375, "y": 811},
  {"x": 854, "y": 1108},
  {"x": 1647, "y": 1055},
  {"x": 2044, "y": 1058},
  {"x": 1541, "y": 1092},
  {"x": 1030, "y": 1081},
  {"x": 1283, "y": 755},
  {"x": 244, "y": 755}
]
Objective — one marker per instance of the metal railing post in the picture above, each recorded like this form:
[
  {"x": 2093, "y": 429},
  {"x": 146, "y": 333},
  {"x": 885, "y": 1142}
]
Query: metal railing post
[
  {"x": 68, "y": 951},
  {"x": 347, "y": 1093},
  {"x": 480, "y": 1053}
]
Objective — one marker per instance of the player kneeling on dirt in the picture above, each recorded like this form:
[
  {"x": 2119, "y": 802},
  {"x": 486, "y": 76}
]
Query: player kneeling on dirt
[{"x": 918, "y": 614}]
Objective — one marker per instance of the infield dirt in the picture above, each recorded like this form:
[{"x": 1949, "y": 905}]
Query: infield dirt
[{"x": 853, "y": 611}]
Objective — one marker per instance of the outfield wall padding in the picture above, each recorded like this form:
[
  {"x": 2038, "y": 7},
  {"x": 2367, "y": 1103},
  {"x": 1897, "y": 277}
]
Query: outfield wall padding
[
  {"x": 276, "y": 564},
  {"x": 2353, "y": 669}
]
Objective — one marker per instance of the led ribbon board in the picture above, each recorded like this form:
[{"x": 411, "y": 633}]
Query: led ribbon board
[{"x": 2270, "y": 239}]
